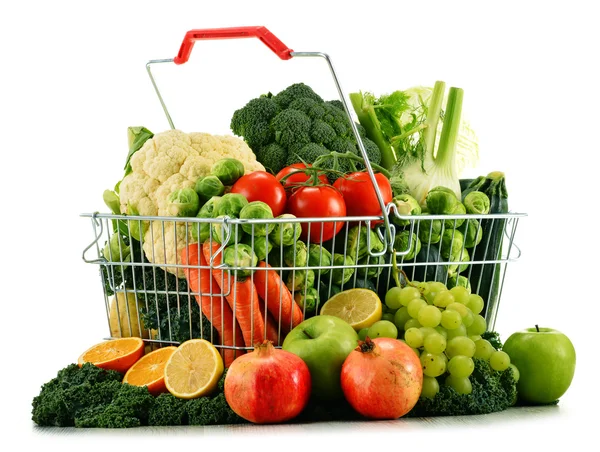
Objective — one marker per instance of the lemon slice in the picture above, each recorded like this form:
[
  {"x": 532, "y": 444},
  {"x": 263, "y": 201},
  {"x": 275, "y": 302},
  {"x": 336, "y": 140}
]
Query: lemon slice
[
  {"x": 194, "y": 369},
  {"x": 361, "y": 308}
]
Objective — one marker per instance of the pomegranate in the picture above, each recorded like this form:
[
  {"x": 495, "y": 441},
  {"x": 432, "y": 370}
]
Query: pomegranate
[
  {"x": 382, "y": 378},
  {"x": 268, "y": 385}
]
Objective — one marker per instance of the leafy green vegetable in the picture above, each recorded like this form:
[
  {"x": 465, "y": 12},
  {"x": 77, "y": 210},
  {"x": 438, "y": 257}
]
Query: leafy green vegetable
[{"x": 136, "y": 137}]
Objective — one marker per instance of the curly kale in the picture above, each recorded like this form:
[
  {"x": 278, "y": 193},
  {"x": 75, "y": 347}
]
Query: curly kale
[
  {"x": 492, "y": 391},
  {"x": 493, "y": 338},
  {"x": 168, "y": 410}
]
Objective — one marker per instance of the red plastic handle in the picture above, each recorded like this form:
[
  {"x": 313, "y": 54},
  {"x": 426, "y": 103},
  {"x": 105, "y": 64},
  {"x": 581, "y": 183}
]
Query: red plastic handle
[{"x": 260, "y": 32}]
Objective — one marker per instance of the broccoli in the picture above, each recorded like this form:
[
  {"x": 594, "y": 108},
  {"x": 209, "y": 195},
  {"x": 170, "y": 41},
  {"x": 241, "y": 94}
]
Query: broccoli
[
  {"x": 297, "y": 117},
  {"x": 492, "y": 391},
  {"x": 373, "y": 152},
  {"x": 168, "y": 410}
]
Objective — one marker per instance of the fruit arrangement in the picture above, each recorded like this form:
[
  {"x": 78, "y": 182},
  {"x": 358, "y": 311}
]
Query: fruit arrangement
[{"x": 274, "y": 276}]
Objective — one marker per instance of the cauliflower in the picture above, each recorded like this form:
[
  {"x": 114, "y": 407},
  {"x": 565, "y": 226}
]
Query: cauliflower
[{"x": 167, "y": 162}]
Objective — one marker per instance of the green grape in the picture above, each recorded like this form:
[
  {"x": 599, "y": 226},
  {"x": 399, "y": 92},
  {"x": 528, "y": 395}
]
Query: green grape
[
  {"x": 462, "y": 385},
  {"x": 451, "y": 319},
  {"x": 478, "y": 327},
  {"x": 422, "y": 286},
  {"x": 460, "y": 345},
  {"x": 457, "y": 332},
  {"x": 427, "y": 330},
  {"x": 433, "y": 365},
  {"x": 383, "y": 328},
  {"x": 483, "y": 349},
  {"x": 515, "y": 371},
  {"x": 429, "y": 316},
  {"x": 433, "y": 288},
  {"x": 409, "y": 293},
  {"x": 458, "y": 307},
  {"x": 467, "y": 319},
  {"x": 430, "y": 387},
  {"x": 412, "y": 323},
  {"x": 392, "y": 298},
  {"x": 499, "y": 360},
  {"x": 461, "y": 294},
  {"x": 414, "y": 337},
  {"x": 401, "y": 317},
  {"x": 417, "y": 351},
  {"x": 474, "y": 337},
  {"x": 388, "y": 316},
  {"x": 461, "y": 366},
  {"x": 414, "y": 306},
  {"x": 440, "y": 329},
  {"x": 384, "y": 308},
  {"x": 434, "y": 343},
  {"x": 443, "y": 299},
  {"x": 475, "y": 303},
  {"x": 362, "y": 333}
]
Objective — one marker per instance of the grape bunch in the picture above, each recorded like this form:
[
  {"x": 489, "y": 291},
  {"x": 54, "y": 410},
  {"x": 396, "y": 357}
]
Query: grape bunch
[{"x": 444, "y": 327}]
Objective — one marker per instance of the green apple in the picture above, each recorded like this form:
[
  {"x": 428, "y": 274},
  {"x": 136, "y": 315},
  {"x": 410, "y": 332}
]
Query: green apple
[
  {"x": 546, "y": 362},
  {"x": 323, "y": 342}
]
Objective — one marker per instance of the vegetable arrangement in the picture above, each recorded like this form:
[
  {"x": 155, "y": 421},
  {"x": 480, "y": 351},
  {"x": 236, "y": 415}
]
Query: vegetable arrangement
[{"x": 266, "y": 317}]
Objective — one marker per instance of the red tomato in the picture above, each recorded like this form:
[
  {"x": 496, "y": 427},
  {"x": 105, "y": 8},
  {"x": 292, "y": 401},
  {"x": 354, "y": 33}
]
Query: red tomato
[
  {"x": 268, "y": 385},
  {"x": 298, "y": 177},
  {"x": 360, "y": 196},
  {"x": 262, "y": 186},
  {"x": 382, "y": 378},
  {"x": 318, "y": 201}
]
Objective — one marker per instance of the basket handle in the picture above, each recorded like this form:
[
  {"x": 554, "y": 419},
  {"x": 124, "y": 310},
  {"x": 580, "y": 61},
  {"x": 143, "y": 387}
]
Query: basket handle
[{"x": 260, "y": 32}]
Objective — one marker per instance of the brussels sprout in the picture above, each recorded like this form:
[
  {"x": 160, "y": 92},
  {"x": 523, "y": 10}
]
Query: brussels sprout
[
  {"x": 402, "y": 242},
  {"x": 341, "y": 275},
  {"x": 220, "y": 232},
  {"x": 452, "y": 243},
  {"x": 296, "y": 255},
  {"x": 462, "y": 256},
  {"x": 286, "y": 233},
  {"x": 472, "y": 232},
  {"x": 257, "y": 210},
  {"x": 459, "y": 209},
  {"x": 261, "y": 245},
  {"x": 458, "y": 280},
  {"x": 430, "y": 231},
  {"x": 477, "y": 203},
  {"x": 441, "y": 201},
  {"x": 116, "y": 250},
  {"x": 357, "y": 245},
  {"x": 231, "y": 205},
  {"x": 183, "y": 203},
  {"x": 307, "y": 300},
  {"x": 300, "y": 279},
  {"x": 209, "y": 186},
  {"x": 405, "y": 205},
  {"x": 228, "y": 170},
  {"x": 201, "y": 231},
  {"x": 370, "y": 272},
  {"x": 240, "y": 255},
  {"x": 319, "y": 256}
]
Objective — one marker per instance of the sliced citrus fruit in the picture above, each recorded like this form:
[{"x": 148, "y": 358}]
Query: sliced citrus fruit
[
  {"x": 361, "y": 308},
  {"x": 194, "y": 369},
  {"x": 149, "y": 370},
  {"x": 116, "y": 354}
]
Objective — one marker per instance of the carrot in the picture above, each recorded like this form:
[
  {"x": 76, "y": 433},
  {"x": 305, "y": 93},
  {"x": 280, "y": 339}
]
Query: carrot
[
  {"x": 271, "y": 290},
  {"x": 271, "y": 326},
  {"x": 214, "y": 308},
  {"x": 242, "y": 298}
]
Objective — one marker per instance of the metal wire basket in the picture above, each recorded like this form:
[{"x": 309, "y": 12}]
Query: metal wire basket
[{"x": 149, "y": 284}]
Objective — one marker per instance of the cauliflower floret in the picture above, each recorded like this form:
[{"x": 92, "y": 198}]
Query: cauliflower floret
[{"x": 167, "y": 162}]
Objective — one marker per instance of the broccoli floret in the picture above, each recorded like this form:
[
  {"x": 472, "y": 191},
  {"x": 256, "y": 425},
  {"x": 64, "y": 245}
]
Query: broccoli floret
[
  {"x": 337, "y": 104},
  {"x": 373, "y": 152},
  {"x": 321, "y": 132},
  {"x": 492, "y": 391},
  {"x": 307, "y": 105},
  {"x": 272, "y": 156},
  {"x": 168, "y": 410},
  {"x": 307, "y": 153},
  {"x": 293, "y": 92},
  {"x": 252, "y": 121},
  {"x": 291, "y": 126},
  {"x": 343, "y": 145},
  {"x": 73, "y": 390}
]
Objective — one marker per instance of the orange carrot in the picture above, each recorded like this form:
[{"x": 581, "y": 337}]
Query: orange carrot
[
  {"x": 216, "y": 310},
  {"x": 242, "y": 298},
  {"x": 271, "y": 290},
  {"x": 272, "y": 327}
]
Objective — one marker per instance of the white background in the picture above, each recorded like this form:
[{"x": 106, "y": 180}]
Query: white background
[{"x": 73, "y": 79}]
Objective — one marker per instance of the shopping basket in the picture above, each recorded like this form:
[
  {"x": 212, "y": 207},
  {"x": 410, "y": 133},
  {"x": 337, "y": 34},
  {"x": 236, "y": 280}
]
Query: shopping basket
[{"x": 149, "y": 293}]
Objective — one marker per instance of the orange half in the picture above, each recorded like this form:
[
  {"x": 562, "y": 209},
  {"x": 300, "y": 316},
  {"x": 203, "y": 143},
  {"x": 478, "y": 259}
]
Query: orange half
[
  {"x": 116, "y": 354},
  {"x": 149, "y": 370}
]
